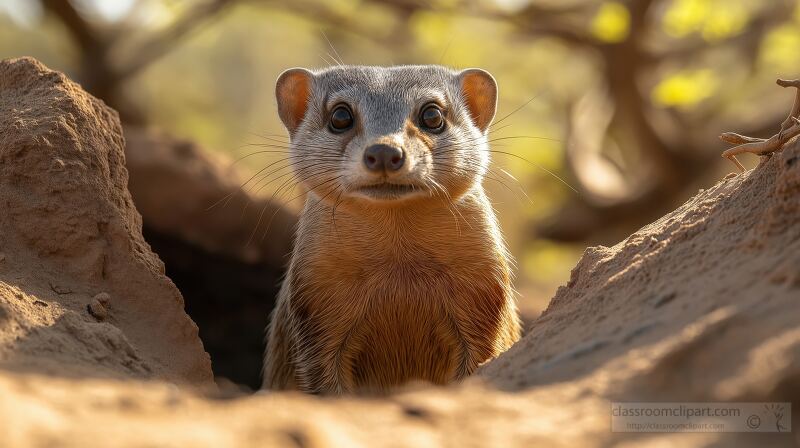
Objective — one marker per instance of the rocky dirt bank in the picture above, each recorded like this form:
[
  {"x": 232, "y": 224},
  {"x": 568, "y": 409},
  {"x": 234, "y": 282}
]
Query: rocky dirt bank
[{"x": 81, "y": 294}]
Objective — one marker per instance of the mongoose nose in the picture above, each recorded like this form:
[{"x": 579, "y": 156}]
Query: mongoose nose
[{"x": 382, "y": 157}]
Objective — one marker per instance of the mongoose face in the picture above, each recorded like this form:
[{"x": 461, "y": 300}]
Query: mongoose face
[{"x": 387, "y": 137}]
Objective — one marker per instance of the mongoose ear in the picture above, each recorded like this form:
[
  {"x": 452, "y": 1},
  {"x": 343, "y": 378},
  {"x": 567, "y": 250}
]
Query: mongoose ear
[
  {"x": 480, "y": 93},
  {"x": 292, "y": 91}
]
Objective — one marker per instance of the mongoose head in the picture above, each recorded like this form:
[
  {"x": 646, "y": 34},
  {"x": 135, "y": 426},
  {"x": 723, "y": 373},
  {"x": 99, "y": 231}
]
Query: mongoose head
[{"x": 388, "y": 136}]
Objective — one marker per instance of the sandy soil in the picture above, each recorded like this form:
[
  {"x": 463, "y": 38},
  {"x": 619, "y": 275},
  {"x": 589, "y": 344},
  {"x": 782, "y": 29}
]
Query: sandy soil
[
  {"x": 701, "y": 305},
  {"x": 68, "y": 232}
]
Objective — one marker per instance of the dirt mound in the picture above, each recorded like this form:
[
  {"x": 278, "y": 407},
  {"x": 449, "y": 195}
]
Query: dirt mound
[
  {"x": 701, "y": 305},
  {"x": 80, "y": 290},
  {"x": 706, "y": 298}
]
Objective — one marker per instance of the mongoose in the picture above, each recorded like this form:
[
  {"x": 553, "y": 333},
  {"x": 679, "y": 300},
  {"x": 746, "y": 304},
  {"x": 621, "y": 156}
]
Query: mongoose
[{"x": 399, "y": 271}]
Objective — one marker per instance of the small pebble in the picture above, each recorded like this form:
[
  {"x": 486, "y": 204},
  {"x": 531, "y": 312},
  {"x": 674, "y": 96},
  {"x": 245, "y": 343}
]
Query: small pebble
[
  {"x": 103, "y": 298},
  {"x": 58, "y": 289},
  {"x": 58, "y": 165},
  {"x": 778, "y": 277},
  {"x": 97, "y": 310}
]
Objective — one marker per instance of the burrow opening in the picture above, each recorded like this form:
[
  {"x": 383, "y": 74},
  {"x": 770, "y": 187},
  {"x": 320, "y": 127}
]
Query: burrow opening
[{"x": 230, "y": 300}]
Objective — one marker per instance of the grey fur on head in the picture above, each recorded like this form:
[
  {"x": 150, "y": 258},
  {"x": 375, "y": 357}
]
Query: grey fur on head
[{"x": 386, "y": 103}]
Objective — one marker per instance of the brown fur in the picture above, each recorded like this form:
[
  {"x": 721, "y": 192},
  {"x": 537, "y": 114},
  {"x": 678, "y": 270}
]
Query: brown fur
[
  {"x": 387, "y": 296},
  {"x": 413, "y": 132}
]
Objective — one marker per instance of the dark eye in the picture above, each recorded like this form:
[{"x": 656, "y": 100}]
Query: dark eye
[
  {"x": 341, "y": 119},
  {"x": 431, "y": 118}
]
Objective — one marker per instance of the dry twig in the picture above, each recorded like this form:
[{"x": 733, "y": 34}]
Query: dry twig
[{"x": 790, "y": 128}]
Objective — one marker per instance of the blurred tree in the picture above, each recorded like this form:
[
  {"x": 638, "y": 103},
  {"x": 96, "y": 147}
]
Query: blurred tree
[
  {"x": 635, "y": 139},
  {"x": 633, "y": 155},
  {"x": 100, "y": 70}
]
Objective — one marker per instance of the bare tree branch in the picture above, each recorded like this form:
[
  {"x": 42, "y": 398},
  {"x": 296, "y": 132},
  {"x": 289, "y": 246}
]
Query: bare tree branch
[
  {"x": 83, "y": 32},
  {"x": 99, "y": 74},
  {"x": 164, "y": 41},
  {"x": 790, "y": 128}
]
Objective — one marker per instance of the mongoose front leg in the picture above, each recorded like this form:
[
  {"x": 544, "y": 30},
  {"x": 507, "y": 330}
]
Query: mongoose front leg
[
  {"x": 279, "y": 372},
  {"x": 322, "y": 361}
]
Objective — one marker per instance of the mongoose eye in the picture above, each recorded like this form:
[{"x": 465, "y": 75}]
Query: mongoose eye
[
  {"x": 431, "y": 118},
  {"x": 341, "y": 119}
]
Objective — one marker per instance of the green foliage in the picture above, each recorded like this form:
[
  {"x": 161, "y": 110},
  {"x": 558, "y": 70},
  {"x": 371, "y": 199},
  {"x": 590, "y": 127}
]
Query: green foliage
[
  {"x": 779, "y": 50},
  {"x": 612, "y": 22},
  {"x": 713, "y": 19},
  {"x": 686, "y": 87}
]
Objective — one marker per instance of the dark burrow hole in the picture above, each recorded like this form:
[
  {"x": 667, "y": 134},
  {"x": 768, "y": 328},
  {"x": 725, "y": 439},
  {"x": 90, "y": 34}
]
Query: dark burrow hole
[{"x": 229, "y": 300}]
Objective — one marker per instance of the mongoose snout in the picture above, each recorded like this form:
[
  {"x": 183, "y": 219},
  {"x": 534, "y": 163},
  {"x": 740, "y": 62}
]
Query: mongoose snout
[
  {"x": 384, "y": 158},
  {"x": 399, "y": 271}
]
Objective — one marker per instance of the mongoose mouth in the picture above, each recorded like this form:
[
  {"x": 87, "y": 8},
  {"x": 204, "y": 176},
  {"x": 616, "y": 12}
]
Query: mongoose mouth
[{"x": 388, "y": 191}]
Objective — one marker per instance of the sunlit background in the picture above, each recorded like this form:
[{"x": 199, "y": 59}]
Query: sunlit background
[{"x": 611, "y": 109}]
